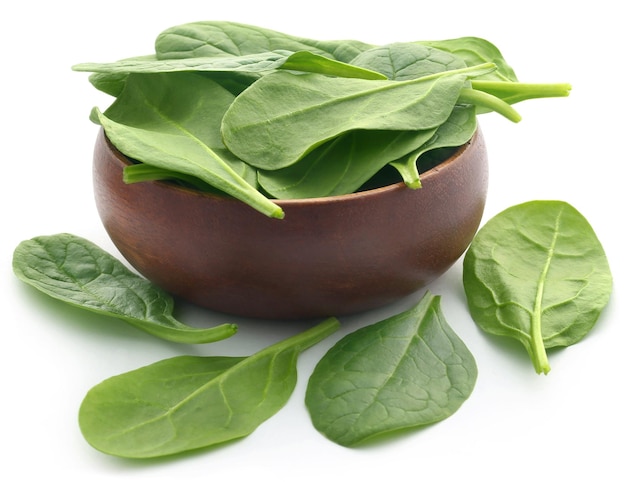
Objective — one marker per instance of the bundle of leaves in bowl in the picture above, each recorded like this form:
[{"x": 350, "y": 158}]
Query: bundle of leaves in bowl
[{"x": 261, "y": 115}]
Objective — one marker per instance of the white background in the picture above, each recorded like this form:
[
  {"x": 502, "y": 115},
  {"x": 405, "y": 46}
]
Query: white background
[{"x": 517, "y": 425}]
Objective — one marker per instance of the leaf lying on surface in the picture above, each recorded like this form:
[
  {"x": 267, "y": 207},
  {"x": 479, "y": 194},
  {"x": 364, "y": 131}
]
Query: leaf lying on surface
[
  {"x": 75, "y": 271},
  {"x": 537, "y": 272},
  {"x": 188, "y": 402},
  {"x": 406, "y": 371}
]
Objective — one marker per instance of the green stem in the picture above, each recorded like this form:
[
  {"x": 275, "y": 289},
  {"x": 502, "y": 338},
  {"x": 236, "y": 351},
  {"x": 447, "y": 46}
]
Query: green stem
[
  {"x": 513, "y": 92},
  {"x": 490, "y": 102},
  {"x": 409, "y": 172},
  {"x": 309, "y": 337}
]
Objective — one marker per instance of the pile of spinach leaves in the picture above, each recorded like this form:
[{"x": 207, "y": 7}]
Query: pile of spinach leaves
[{"x": 261, "y": 115}]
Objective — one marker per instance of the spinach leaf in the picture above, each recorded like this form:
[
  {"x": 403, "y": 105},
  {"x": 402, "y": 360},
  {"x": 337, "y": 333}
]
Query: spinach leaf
[
  {"x": 172, "y": 121},
  {"x": 270, "y": 130},
  {"x": 343, "y": 165},
  {"x": 537, "y": 272},
  {"x": 455, "y": 131},
  {"x": 476, "y": 51},
  {"x": 252, "y": 63},
  {"x": 406, "y": 371},
  {"x": 186, "y": 402},
  {"x": 408, "y": 60},
  {"x": 218, "y": 38},
  {"x": 75, "y": 271}
]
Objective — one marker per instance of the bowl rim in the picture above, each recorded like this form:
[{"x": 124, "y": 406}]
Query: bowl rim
[{"x": 358, "y": 195}]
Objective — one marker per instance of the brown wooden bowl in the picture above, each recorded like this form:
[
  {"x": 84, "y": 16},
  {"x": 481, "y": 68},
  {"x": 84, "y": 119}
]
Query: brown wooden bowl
[{"x": 328, "y": 256}]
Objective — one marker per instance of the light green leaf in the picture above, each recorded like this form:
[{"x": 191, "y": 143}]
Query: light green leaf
[
  {"x": 251, "y": 63},
  {"x": 408, "y": 60},
  {"x": 185, "y": 403},
  {"x": 537, "y": 272},
  {"x": 217, "y": 38}
]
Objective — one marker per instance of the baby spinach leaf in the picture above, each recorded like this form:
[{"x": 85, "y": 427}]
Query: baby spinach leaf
[
  {"x": 186, "y": 402},
  {"x": 406, "y": 371},
  {"x": 216, "y": 38},
  {"x": 537, "y": 272},
  {"x": 172, "y": 121},
  {"x": 476, "y": 51},
  {"x": 75, "y": 271},
  {"x": 455, "y": 131},
  {"x": 252, "y": 63},
  {"x": 342, "y": 165},
  {"x": 271, "y": 130},
  {"x": 408, "y": 60}
]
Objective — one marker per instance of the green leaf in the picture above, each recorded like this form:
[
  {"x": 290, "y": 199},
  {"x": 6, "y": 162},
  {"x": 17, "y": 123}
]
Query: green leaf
[
  {"x": 406, "y": 371},
  {"x": 282, "y": 117},
  {"x": 408, "y": 60},
  {"x": 218, "y": 38},
  {"x": 171, "y": 121},
  {"x": 251, "y": 63},
  {"x": 342, "y": 165},
  {"x": 186, "y": 403},
  {"x": 75, "y": 271},
  {"x": 537, "y": 272},
  {"x": 455, "y": 131},
  {"x": 476, "y": 51}
]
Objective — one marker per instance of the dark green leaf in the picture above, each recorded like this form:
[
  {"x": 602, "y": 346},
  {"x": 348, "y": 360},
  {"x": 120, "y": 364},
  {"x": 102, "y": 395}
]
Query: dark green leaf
[
  {"x": 406, "y": 371},
  {"x": 186, "y": 403},
  {"x": 538, "y": 273},
  {"x": 75, "y": 271}
]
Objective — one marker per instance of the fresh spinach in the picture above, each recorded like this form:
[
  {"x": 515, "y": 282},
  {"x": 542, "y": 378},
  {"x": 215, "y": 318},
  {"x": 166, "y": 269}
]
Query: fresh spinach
[
  {"x": 75, "y": 271},
  {"x": 297, "y": 106},
  {"x": 171, "y": 121},
  {"x": 220, "y": 38},
  {"x": 270, "y": 130},
  {"x": 189, "y": 402},
  {"x": 455, "y": 131},
  {"x": 537, "y": 272},
  {"x": 343, "y": 165},
  {"x": 302, "y": 61},
  {"x": 406, "y": 371}
]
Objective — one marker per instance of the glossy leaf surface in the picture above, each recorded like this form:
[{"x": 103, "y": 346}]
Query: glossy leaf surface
[
  {"x": 186, "y": 403},
  {"x": 406, "y": 371},
  {"x": 537, "y": 272},
  {"x": 75, "y": 271}
]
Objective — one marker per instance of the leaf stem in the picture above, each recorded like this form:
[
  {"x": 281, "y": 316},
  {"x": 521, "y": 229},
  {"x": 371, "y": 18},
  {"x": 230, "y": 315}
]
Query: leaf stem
[
  {"x": 513, "y": 92},
  {"x": 488, "y": 101},
  {"x": 311, "y": 336}
]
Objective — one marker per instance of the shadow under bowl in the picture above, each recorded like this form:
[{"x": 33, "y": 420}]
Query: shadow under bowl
[{"x": 328, "y": 257}]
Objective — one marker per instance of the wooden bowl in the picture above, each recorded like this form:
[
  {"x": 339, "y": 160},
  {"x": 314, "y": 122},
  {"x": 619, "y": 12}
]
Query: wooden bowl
[{"x": 328, "y": 256}]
